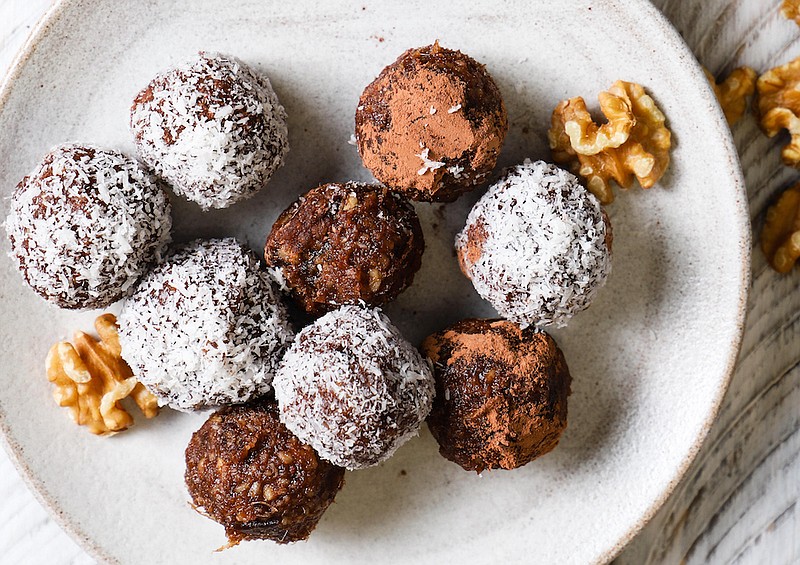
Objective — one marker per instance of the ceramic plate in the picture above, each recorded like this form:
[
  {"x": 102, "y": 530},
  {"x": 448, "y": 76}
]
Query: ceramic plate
[{"x": 650, "y": 359}]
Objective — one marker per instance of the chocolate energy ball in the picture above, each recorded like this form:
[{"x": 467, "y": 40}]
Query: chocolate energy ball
[
  {"x": 245, "y": 470},
  {"x": 213, "y": 128},
  {"x": 432, "y": 124},
  {"x": 85, "y": 225},
  {"x": 205, "y": 327},
  {"x": 353, "y": 387},
  {"x": 537, "y": 245},
  {"x": 501, "y": 393},
  {"x": 345, "y": 243}
]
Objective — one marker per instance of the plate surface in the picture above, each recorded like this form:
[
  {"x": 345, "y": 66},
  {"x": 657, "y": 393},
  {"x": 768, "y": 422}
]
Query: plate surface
[{"x": 650, "y": 360}]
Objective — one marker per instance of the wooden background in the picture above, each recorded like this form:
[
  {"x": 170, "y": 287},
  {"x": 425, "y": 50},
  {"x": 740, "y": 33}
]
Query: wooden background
[{"x": 738, "y": 501}]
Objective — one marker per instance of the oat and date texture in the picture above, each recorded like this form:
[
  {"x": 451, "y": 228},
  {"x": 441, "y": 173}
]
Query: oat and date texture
[
  {"x": 432, "y": 124},
  {"x": 635, "y": 142},
  {"x": 501, "y": 393},
  {"x": 245, "y": 470},
  {"x": 85, "y": 225},
  {"x": 345, "y": 243}
]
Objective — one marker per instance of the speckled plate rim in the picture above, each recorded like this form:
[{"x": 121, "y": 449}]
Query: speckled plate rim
[
  {"x": 14, "y": 451},
  {"x": 671, "y": 37}
]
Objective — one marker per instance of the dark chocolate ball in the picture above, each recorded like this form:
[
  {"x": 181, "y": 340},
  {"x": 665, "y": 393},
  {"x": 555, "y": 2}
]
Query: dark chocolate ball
[
  {"x": 345, "y": 243},
  {"x": 253, "y": 476}
]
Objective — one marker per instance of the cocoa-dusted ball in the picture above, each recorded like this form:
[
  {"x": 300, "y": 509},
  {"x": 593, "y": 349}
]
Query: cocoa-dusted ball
[
  {"x": 432, "y": 124},
  {"x": 345, "y": 243},
  {"x": 213, "y": 128},
  {"x": 353, "y": 387},
  {"x": 85, "y": 225},
  {"x": 501, "y": 393},
  {"x": 252, "y": 475}
]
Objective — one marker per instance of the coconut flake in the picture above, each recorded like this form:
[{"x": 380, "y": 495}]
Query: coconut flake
[
  {"x": 213, "y": 128},
  {"x": 455, "y": 170},
  {"x": 205, "y": 327},
  {"x": 545, "y": 255},
  {"x": 427, "y": 164},
  {"x": 353, "y": 388},
  {"x": 86, "y": 224}
]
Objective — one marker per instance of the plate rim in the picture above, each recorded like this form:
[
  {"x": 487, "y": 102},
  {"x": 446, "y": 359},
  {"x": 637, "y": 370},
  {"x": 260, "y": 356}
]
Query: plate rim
[{"x": 658, "y": 22}]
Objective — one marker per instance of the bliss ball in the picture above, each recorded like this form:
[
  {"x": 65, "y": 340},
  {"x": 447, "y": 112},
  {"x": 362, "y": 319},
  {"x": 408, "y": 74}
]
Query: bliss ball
[
  {"x": 85, "y": 225},
  {"x": 346, "y": 243},
  {"x": 353, "y": 388},
  {"x": 245, "y": 470},
  {"x": 205, "y": 327},
  {"x": 212, "y": 128},
  {"x": 501, "y": 393},
  {"x": 432, "y": 124},
  {"x": 537, "y": 246}
]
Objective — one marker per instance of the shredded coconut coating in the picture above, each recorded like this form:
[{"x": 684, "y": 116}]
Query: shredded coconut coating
[
  {"x": 85, "y": 225},
  {"x": 205, "y": 327},
  {"x": 353, "y": 388},
  {"x": 536, "y": 246},
  {"x": 212, "y": 128}
]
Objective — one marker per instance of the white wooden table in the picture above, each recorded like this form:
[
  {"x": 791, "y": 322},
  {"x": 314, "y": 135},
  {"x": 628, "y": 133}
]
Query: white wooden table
[{"x": 738, "y": 502}]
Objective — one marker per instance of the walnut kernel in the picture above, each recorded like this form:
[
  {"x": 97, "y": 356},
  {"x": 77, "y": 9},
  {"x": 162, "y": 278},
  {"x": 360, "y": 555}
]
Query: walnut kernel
[
  {"x": 791, "y": 10},
  {"x": 585, "y": 136},
  {"x": 780, "y": 238},
  {"x": 732, "y": 93},
  {"x": 779, "y": 107},
  {"x": 643, "y": 154},
  {"x": 91, "y": 378}
]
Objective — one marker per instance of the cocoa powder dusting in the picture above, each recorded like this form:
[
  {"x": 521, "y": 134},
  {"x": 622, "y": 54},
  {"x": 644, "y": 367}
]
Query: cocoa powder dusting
[
  {"x": 472, "y": 251},
  {"x": 501, "y": 393},
  {"x": 432, "y": 124}
]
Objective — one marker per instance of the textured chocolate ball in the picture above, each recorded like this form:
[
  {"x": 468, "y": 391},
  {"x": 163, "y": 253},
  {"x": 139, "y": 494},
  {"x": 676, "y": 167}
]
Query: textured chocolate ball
[
  {"x": 213, "y": 128},
  {"x": 85, "y": 225},
  {"x": 501, "y": 393},
  {"x": 432, "y": 124},
  {"x": 537, "y": 246},
  {"x": 245, "y": 470},
  {"x": 345, "y": 243},
  {"x": 205, "y": 327},
  {"x": 353, "y": 387}
]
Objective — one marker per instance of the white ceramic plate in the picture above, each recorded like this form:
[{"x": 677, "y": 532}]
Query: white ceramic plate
[{"x": 650, "y": 359}]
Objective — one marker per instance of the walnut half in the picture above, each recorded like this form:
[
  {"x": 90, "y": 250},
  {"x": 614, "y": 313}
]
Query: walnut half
[
  {"x": 780, "y": 238},
  {"x": 732, "y": 92},
  {"x": 778, "y": 106},
  {"x": 634, "y": 143},
  {"x": 90, "y": 378},
  {"x": 791, "y": 10}
]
